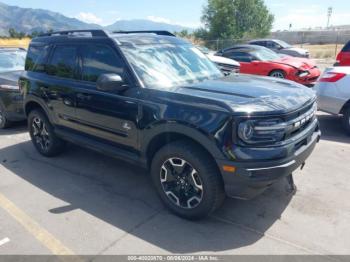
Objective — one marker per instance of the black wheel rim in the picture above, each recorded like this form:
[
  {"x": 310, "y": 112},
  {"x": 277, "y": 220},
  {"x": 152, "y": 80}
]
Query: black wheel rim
[
  {"x": 181, "y": 183},
  {"x": 40, "y": 134}
]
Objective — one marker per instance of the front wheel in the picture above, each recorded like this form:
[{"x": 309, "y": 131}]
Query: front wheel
[
  {"x": 43, "y": 135},
  {"x": 278, "y": 74},
  {"x": 187, "y": 180}
]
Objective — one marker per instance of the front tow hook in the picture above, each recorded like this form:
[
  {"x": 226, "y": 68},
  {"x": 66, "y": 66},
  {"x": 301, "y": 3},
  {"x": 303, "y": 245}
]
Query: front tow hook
[{"x": 291, "y": 187}]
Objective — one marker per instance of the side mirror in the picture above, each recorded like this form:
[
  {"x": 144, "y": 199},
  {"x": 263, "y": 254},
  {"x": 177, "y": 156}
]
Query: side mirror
[{"x": 111, "y": 82}]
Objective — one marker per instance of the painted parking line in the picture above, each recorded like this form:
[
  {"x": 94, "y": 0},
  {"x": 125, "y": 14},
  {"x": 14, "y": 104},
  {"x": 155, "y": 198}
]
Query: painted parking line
[
  {"x": 4, "y": 241},
  {"x": 41, "y": 234}
]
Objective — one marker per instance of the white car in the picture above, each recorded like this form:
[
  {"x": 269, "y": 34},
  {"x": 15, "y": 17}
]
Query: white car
[
  {"x": 226, "y": 65},
  {"x": 333, "y": 92}
]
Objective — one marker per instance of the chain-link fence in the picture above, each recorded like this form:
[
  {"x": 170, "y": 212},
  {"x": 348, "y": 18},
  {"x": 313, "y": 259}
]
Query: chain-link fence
[{"x": 321, "y": 44}]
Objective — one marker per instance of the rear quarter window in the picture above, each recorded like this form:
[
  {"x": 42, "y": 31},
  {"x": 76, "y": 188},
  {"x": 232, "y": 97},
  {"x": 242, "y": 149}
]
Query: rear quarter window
[{"x": 36, "y": 58}]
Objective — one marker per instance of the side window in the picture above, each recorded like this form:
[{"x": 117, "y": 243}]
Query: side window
[
  {"x": 239, "y": 56},
  {"x": 36, "y": 58},
  {"x": 98, "y": 60},
  {"x": 63, "y": 62}
]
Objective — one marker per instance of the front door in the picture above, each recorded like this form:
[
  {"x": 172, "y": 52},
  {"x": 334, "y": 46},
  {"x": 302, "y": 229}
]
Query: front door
[{"x": 109, "y": 116}]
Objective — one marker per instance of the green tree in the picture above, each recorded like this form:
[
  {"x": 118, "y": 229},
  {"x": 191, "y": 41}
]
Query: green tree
[{"x": 236, "y": 19}]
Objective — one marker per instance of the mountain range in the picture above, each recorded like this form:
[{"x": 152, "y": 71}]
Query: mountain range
[{"x": 28, "y": 20}]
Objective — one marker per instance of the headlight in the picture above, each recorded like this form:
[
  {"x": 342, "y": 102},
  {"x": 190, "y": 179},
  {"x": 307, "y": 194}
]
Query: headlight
[
  {"x": 303, "y": 73},
  {"x": 261, "y": 131}
]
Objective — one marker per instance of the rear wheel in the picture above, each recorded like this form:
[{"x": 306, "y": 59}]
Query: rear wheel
[
  {"x": 42, "y": 134},
  {"x": 187, "y": 180},
  {"x": 278, "y": 74},
  {"x": 346, "y": 120},
  {"x": 4, "y": 122}
]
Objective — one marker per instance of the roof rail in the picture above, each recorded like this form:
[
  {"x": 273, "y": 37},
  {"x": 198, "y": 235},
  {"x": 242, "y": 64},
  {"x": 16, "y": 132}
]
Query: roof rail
[
  {"x": 157, "y": 32},
  {"x": 94, "y": 33}
]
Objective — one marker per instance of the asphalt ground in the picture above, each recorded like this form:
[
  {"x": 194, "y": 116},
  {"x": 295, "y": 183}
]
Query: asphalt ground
[{"x": 89, "y": 204}]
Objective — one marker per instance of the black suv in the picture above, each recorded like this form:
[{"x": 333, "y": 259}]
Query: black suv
[{"x": 156, "y": 101}]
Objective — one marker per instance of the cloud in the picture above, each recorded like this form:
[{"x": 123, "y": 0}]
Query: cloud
[
  {"x": 168, "y": 21},
  {"x": 89, "y": 18}
]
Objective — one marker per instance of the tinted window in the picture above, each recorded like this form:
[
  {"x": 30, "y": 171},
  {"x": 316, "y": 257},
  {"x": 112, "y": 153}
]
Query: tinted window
[
  {"x": 346, "y": 48},
  {"x": 239, "y": 56},
  {"x": 36, "y": 58},
  {"x": 63, "y": 62},
  {"x": 98, "y": 60},
  {"x": 271, "y": 44}
]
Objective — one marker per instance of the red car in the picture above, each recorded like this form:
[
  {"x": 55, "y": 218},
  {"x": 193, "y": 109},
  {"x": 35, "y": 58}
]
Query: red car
[
  {"x": 259, "y": 60},
  {"x": 343, "y": 58}
]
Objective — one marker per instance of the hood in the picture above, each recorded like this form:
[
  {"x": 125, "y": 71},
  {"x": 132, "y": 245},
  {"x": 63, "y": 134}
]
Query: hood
[
  {"x": 249, "y": 94},
  {"x": 223, "y": 60},
  {"x": 10, "y": 77},
  {"x": 298, "y": 63}
]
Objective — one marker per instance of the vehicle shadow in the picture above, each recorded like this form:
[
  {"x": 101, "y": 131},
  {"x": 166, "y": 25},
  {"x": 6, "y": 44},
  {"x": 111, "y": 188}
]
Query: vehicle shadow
[
  {"x": 332, "y": 129},
  {"x": 122, "y": 196},
  {"x": 16, "y": 128}
]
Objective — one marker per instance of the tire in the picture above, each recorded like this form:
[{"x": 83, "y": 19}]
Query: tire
[
  {"x": 42, "y": 134},
  {"x": 278, "y": 74},
  {"x": 199, "y": 176},
  {"x": 346, "y": 120},
  {"x": 4, "y": 122}
]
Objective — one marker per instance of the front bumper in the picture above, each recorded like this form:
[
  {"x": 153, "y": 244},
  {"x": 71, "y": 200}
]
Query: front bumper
[
  {"x": 252, "y": 178},
  {"x": 310, "y": 79}
]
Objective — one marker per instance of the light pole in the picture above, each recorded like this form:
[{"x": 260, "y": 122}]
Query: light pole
[{"x": 329, "y": 14}]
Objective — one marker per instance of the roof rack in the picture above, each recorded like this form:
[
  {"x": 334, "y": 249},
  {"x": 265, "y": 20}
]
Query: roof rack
[
  {"x": 94, "y": 33},
  {"x": 157, "y": 32}
]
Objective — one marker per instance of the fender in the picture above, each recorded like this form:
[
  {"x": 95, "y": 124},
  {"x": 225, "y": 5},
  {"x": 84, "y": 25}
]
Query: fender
[
  {"x": 31, "y": 98},
  {"x": 201, "y": 137}
]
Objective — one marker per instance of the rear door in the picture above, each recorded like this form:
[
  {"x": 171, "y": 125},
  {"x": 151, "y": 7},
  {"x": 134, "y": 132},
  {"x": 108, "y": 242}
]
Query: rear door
[
  {"x": 110, "y": 116},
  {"x": 61, "y": 80}
]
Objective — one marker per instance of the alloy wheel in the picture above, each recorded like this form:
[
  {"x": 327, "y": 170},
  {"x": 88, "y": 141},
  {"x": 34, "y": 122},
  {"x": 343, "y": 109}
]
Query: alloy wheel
[
  {"x": 40, "y": 134},
  {"x": 181, "y": 183},
  {"x": 277, "y": 74}
]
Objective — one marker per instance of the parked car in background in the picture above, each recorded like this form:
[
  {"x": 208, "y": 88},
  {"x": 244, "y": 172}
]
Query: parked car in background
[
  {"x": 258, "y": 60},
  {"x": 281, "y": 47},
  {"x": 226, "y": 65},
  {"x": 11, "y": 102},
  {"x": 343, "y": 58},
  {"x": 158, "y": 102},
  {"x": 333, "y": 93}
]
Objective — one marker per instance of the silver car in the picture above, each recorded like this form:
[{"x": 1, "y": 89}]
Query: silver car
[
  {"x": 281, "y": 47},
  {"x": 333, "y": 93}
]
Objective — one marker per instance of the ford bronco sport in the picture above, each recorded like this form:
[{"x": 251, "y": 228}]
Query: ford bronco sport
[{"x": 155, "y": 100}]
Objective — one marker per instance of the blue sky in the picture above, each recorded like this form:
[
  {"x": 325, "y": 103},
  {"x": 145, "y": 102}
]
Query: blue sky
[{"x": 301, "y": 13}]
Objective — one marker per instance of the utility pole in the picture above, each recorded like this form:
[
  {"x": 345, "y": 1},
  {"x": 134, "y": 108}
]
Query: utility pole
[{"x": 329, "y": 15}]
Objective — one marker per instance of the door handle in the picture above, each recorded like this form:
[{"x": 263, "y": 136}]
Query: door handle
[{"x": 84, "y": 96}]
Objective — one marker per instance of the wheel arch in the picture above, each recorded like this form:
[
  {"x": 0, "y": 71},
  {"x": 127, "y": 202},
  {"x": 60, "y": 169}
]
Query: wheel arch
[
  {"x": 345, "y": 106},
  {"x": 171, "y": 134}
]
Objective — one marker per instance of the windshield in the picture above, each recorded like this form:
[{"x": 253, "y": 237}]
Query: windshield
[
  {"x": 12, "y": 60},
  {"x": 265, "y": 55},
  {"x": 168, "y": 65},
  {"x": 282, "y": 43}
]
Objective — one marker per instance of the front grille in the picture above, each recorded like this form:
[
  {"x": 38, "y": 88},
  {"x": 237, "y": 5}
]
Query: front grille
[{"x": 301, "y": 121}]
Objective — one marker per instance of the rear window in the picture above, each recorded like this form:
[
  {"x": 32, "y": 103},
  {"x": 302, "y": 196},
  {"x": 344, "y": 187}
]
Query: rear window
[
  {"x": 346, "y": 48},
  {"x": 36, "y": 58},
  {"x": 12, "y": 60}
]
